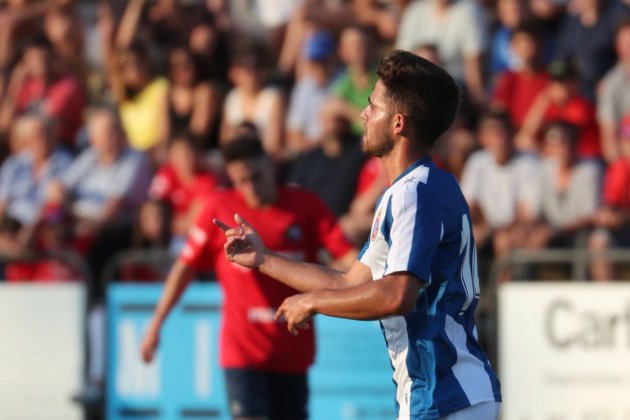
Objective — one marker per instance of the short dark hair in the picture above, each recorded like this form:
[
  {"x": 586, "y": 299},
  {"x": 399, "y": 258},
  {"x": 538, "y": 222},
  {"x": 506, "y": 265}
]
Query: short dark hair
[
  {"x": 423, "y": 91},
  {"x": 499, "y": 116},
  {"x": 243, "y": 147}
]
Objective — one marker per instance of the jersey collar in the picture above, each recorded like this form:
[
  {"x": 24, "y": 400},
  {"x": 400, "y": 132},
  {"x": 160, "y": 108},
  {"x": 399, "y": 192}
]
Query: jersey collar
[{"x": 425, "y": 161}]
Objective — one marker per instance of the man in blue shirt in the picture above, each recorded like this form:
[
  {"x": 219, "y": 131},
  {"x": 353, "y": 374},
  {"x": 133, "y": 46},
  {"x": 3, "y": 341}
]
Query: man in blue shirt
[{"x": 417, "y": 273}]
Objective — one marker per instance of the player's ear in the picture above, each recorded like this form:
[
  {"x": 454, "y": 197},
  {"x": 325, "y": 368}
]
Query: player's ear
[{"x": 398, "y": 123}]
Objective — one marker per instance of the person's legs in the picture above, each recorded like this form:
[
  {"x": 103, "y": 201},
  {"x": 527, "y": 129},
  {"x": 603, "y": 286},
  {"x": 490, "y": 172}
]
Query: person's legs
[
  {"x": 248, "y": 394},
  {"x": 484, "y": 411},
  {"x": 288, "y": 396}
]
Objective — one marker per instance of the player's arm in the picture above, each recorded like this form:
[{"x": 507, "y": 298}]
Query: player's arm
[
  {"x": 395, "y": 294},
  {"x": 244, "y": 247},
  {"x": 178, "y": 279}
]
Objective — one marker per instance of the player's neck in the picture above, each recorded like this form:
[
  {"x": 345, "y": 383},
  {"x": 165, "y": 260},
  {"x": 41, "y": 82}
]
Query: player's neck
[{"x": 399, "y": 159}]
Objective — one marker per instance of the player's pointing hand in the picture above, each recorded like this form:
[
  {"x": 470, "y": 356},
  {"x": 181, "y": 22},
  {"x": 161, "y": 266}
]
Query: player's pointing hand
[{"x": 243, "y": 245}]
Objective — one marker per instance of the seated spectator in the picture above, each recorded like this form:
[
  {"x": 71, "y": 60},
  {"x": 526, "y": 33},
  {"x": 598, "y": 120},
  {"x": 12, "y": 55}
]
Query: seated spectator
[
  {"x": 103, "y": 189},
  {"x": 500, "y": 187},
  {"x": 250, "y": 100},
  {"x": 24, "y": 181},
  {"x": 182, "y": 183},
  {"x": 613, "y": 99},
  {"x": 355, "y": 85},
  {"x": 612, "y": 219},
  {"x": 517, "y": 88},
  {"x": 562, "y": 101},
  {"x": 569, "y": 191},
  {"x": 310, "y": 92},
  {"x": 193, "y": 105},
  {"x": 458, "y": 29},
  {"x": 332, "y": 170},
  {"x": 36, "y": 86}
]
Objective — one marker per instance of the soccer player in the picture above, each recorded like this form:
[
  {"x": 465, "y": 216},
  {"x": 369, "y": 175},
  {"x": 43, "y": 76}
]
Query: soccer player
[
  {"x": 265, "y": 366},
  {"x": 417, "y": 273}
]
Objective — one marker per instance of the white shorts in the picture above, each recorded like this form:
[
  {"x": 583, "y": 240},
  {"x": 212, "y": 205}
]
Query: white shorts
[{"x": 483, "y": 411}]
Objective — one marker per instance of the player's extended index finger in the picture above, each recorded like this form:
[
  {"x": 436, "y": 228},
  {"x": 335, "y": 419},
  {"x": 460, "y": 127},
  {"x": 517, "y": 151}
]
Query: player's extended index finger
[{"x": 221, "y": 225}]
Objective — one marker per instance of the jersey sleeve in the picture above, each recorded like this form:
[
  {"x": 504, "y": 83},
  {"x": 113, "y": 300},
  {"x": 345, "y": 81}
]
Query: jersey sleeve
[
  {"x": 415, "y": 232},
  {"x": 200, "y": 242}
]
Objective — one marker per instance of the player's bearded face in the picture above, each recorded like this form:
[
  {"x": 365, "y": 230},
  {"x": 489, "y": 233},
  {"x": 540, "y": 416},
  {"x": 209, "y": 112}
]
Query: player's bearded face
[
  {"x": 378, "y": 143},
  {"x": 377, "y": 140}
]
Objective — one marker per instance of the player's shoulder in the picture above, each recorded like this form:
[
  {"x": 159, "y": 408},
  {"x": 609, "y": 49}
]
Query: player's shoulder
[{"x": 297, "y": 194}]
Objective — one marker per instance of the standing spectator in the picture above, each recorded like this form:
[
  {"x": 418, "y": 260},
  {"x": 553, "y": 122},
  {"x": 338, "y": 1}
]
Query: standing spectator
[
  {"x": 182, "y": 184},
  {"x": 251, "y": 100},
  {"x": 613, "y": 99},
  {"x": 510, "y": 15},
  {"x": 587, "y": 37},
  {"x": 518, "y": 88},
  {"x": 612, "y": 219},
  {"x": 562, "y": 100},
  {"x": 569, "y": 191},
  {"x": 265, "y": 366},
  {"x": 458, "y": 29},
  {"x": 500, "y": 187},
  {"x": 193, "y": 105},
  {"x": 310, "y": 92},
  {"x": 37, "y": 86},
  {"x": 346, "y": 179},
  {"x": 355, "y": 84}
]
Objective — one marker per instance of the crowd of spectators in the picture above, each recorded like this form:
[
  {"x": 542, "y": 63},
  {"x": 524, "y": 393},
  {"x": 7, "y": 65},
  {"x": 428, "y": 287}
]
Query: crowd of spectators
[{"x": 112, "y": 114}]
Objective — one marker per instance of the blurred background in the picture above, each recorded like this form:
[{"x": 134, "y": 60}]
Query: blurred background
[{"x": 111, "y": 118}]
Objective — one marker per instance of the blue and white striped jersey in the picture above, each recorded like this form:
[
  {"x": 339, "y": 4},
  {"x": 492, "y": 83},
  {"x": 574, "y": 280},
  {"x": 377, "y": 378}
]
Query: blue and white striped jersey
[{"x": 422, "y": 226}]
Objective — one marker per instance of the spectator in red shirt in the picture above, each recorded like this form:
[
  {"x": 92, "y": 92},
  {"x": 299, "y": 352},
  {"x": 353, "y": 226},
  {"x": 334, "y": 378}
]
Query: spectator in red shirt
[
  {"x": 562, "y": 101},
  {"x": 181, "y": 182},
  {"x": 36, "y": 86},
  {"x": 613, "y": 218},
  {"x": 263, "y": 362},
  {"x": 517, "y": 90}
]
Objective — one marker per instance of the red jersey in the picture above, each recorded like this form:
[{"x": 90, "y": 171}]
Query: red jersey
[
  {"x": 617, "y": 185},
  {"x": 166, "y": 185},
  {"x": 64, "y": 100},
  {"x": 297, "y": 225},
  {"x": 370, "y": 173},
  {"x": 580, "y": 112},
  {"x": 517, "y": 91}
]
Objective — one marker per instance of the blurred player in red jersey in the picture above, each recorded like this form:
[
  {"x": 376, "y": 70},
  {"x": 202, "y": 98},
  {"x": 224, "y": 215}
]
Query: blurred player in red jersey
[{"x": 265, "y": 366}]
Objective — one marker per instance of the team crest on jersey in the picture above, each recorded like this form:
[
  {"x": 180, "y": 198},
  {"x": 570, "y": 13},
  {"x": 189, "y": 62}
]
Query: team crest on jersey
[
  {"x": 293, "y": 233},
  {"x": 377, "y": 225}
]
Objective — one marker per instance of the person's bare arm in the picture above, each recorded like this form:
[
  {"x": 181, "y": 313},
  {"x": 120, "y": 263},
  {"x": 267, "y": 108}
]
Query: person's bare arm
[
  {"x": 393, "y": 295},
  {"x": 273, "y": 136},
  {"x": 178, "y": 279},
  {"x": 129, "y": 23},
  {"x": 610, "y": 144},
  {"x": 206, "y": 102},
  {"x": 244, "y": 247},
  {"x": 474, "y": 79}
]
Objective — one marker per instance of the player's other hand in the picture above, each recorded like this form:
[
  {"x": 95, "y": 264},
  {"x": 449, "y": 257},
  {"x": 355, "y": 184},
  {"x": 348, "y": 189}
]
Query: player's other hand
[
  {"x": 297, "y": 311},
  {"x": 150, "y": 342},
  {"x": 243, "y": 245}
]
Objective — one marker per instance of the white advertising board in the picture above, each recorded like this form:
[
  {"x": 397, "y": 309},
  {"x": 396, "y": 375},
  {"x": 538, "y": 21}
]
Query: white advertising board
[
  {"x": 41, "y": 350},
  {"x": 564, "y": 351}
]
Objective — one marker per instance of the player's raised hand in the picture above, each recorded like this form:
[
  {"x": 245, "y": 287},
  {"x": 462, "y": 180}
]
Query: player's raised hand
[{"x": 243, "y": 245}]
